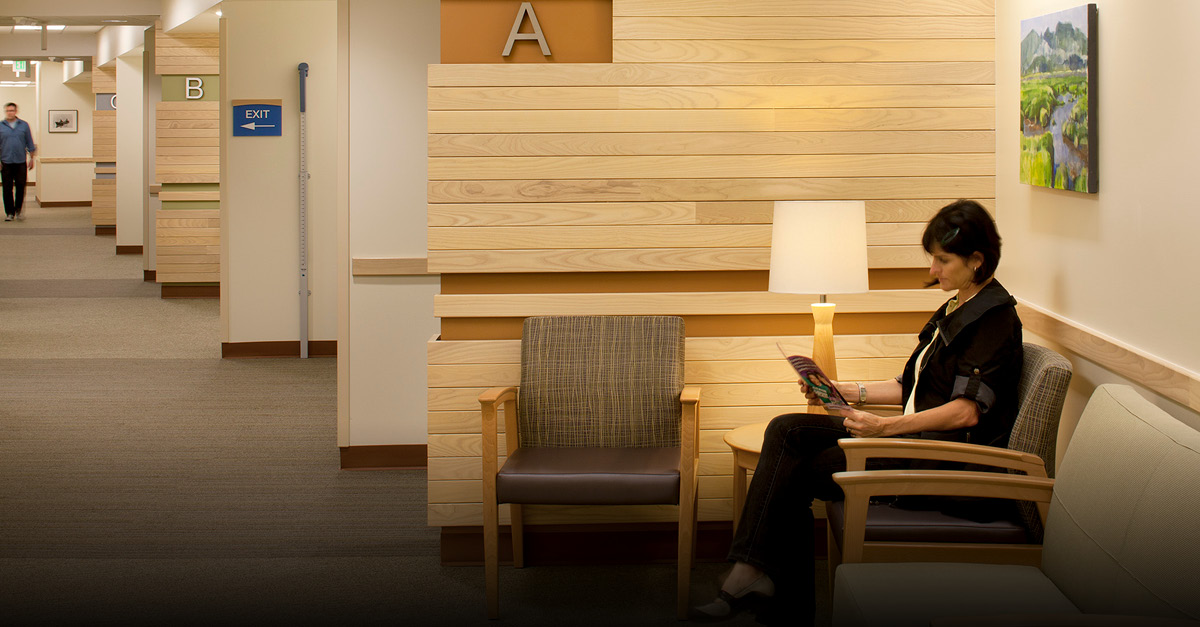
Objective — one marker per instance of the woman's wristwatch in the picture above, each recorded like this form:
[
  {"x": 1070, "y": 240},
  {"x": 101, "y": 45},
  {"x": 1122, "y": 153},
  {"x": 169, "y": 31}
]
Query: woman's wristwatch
[{"x": 862, "y": 394}]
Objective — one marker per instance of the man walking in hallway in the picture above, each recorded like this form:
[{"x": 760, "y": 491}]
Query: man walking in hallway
[{"x": 15, "y": 141}]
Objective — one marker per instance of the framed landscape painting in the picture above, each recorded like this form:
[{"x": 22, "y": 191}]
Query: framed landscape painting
[{"x": 1058, "y": 118}]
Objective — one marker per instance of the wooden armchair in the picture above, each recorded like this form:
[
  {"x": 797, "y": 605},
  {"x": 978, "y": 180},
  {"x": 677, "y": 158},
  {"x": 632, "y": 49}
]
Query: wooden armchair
[
  {"x": 601, "y": 418},
  {"x": 863, "y": 532}
]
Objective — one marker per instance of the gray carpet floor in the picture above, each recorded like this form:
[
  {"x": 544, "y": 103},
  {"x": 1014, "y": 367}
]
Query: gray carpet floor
[{"x": 144, "y": 480}]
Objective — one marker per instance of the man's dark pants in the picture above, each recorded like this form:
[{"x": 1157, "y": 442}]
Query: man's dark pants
[{"x": 14, "y": 175}]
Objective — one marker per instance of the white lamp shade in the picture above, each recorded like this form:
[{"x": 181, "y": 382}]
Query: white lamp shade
[{"x": 819, "y": 247}]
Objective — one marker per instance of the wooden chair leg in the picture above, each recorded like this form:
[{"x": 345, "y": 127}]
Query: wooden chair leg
[
  {"x": 491, "y": 556},
  {"x": 517, "y": 526},
  {"x": 687, "y": 546}
]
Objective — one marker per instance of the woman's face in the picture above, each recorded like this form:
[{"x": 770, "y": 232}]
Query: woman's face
[{"x": 951, "y": 271}]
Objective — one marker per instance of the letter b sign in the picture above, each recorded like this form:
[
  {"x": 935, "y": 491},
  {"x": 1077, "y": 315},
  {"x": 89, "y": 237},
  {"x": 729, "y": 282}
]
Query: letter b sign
[{"x": 194, "y": 87}]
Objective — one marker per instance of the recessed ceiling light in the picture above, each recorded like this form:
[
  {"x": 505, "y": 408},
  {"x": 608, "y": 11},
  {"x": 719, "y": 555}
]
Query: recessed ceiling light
[
  {"x": 48, "y": 27},
  {"x": 114, "y": 21},
  {"x": 218, "y": 13}
]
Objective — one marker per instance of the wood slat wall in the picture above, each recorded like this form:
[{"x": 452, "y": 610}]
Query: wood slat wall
[
  {"x": 670, "y": 159},
  {"x": 104, "y": 149},
  {"x": 104, "y": 202},
  {"x": 187, "y": 142},
  {"x": 104, "y": 79},
  {"x": 186, "y": 53},
  {"x": 187, "y": 164},
  {"x": 188, "y": 245}
]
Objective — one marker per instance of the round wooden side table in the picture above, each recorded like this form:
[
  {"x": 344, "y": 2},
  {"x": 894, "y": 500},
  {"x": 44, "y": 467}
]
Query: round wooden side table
[{"x": 746, "y": 442}]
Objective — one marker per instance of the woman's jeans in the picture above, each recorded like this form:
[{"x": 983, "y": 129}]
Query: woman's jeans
[{"x": 775, "y": 533}]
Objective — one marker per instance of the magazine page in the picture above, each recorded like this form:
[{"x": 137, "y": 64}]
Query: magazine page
[{"x": 815, "y": 378}]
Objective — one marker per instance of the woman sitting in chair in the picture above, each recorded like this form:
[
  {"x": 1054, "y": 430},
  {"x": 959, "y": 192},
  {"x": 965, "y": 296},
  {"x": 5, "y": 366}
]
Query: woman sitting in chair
[{"x": 959, "y": 384}]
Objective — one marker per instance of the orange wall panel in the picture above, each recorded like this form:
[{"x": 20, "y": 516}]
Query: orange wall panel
[{"x": 577, "y": 31}]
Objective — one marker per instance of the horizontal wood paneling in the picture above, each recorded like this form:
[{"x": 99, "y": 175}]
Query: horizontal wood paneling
[
  {"x": 366, "y": 266},
  {"x": 710, "y": 143},
  {"x": 676, "y": 303},
  {"x": 717, "y": 167},
  {"x": 713, "y": 74},
  {"x": 104, "y": 136},
  {"x": 703, "y": 97},
  {"x": 104, "y": 202},
  {"x": 186, "y": 145},
  {"x": 104, "y": 79},
  {"x": 187, "y": 245},
  {"x": 933, "y": 118},
  {"x": 784, "y": 8},
  {"x": 186, "y": 53},
  {"x": 789, "y": 27},
  {"x": 669, "y": 160},
  {"x": 49, "y": 160}
]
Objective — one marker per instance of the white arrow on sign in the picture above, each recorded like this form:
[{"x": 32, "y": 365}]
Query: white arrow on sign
[{"x": 253, "y": 125}]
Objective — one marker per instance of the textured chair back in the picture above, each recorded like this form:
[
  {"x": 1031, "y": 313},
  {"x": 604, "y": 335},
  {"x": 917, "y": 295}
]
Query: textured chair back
[
  {"x": 601, "y": 381},
  {"x": 1041, "y": 391}
]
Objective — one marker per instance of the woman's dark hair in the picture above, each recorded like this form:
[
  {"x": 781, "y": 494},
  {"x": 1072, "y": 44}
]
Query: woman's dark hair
[{"x": 964, "y": 227}]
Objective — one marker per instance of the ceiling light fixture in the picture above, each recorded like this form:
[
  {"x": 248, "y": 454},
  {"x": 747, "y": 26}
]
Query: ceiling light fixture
[
  {"x": 48, "y": 27},
  {"x": 218, "y": 13},
  {"x": 114, "y": 21}
]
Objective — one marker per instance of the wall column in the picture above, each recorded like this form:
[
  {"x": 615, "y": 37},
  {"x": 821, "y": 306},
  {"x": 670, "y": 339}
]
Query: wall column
[{"x": 132, "y": 195}]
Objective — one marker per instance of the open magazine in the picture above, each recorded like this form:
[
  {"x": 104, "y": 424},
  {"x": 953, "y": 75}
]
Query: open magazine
[{"x": 812, "y": 375}]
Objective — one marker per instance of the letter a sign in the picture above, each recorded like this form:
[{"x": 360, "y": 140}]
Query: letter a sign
[{"x": 514, "y": 35}]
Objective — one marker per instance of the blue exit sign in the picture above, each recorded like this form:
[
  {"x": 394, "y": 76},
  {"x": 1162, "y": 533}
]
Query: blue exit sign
[{"x": 257, "y": 118}]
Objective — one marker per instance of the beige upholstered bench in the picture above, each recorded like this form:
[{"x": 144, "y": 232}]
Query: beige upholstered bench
[{"x": 1122, "y": 538}]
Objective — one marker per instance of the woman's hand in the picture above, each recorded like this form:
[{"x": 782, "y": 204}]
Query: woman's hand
[
  {"x": 808, "y": 393},
  {"x": 864, "y": 424}
]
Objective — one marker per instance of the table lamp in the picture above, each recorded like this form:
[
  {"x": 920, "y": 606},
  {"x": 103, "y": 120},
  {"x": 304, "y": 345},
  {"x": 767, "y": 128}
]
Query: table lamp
[{"x": 820, "y": 247}]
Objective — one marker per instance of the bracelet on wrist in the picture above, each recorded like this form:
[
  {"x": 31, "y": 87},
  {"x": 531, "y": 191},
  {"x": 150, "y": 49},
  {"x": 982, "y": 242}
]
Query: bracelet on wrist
[{"x": 862, "y": 394}]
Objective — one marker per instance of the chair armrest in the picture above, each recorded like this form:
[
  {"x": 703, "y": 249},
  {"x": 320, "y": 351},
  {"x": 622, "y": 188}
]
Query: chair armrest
[
  {"x": 1059, "y": 620},
  {"x": 859, "y": 450},
  {"x": 860, "y": 486},
  {"x": 489, "y": 402},
  {"x": 689, "y": 437},
  {"x": 944, "y": 483}
]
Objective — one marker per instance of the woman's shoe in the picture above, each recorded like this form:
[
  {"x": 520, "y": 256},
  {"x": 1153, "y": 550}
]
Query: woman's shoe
[{"x": 727, "y": 605}]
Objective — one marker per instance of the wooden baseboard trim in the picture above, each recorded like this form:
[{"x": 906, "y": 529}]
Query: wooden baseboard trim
[
  {"x": 149, "y": 275},
  {"x": 617, "y": 543},
  {"x": 129, "y": 250},
  {"x": 384, "y": 457},
  {"x": 178, "y": 290},
  {"x": 106, "y": 229},
  {"x": 248, "y": 350},
  {"x": 65, "y": 203}
]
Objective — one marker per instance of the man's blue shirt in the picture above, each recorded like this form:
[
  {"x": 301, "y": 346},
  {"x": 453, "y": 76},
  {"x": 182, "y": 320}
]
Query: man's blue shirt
[{"x": 15, "y": 141}]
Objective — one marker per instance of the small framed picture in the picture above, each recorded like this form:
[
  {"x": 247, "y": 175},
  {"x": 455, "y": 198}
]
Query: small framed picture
[{"x": 63, "y": 121}]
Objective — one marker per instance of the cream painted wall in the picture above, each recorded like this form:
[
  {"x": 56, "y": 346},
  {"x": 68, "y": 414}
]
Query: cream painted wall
[
  {"x": 64, "y": 182},
  {"x": 27, "y": 106},
  {"x": 263, "y": 43},
  {"x": 132, "y": 197},
  {"x": 114, "y": 41},
  {"x": 1120, "y": 262},
  {"x": 176, "y": 13},
  {"x": 391, "y": 318}
]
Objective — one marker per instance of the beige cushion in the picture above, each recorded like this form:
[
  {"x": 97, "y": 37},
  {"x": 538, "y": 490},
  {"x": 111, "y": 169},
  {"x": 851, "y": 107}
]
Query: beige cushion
[
  {"x": 1123, "y": 534},
  {"x": 911, "y": 594}
]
